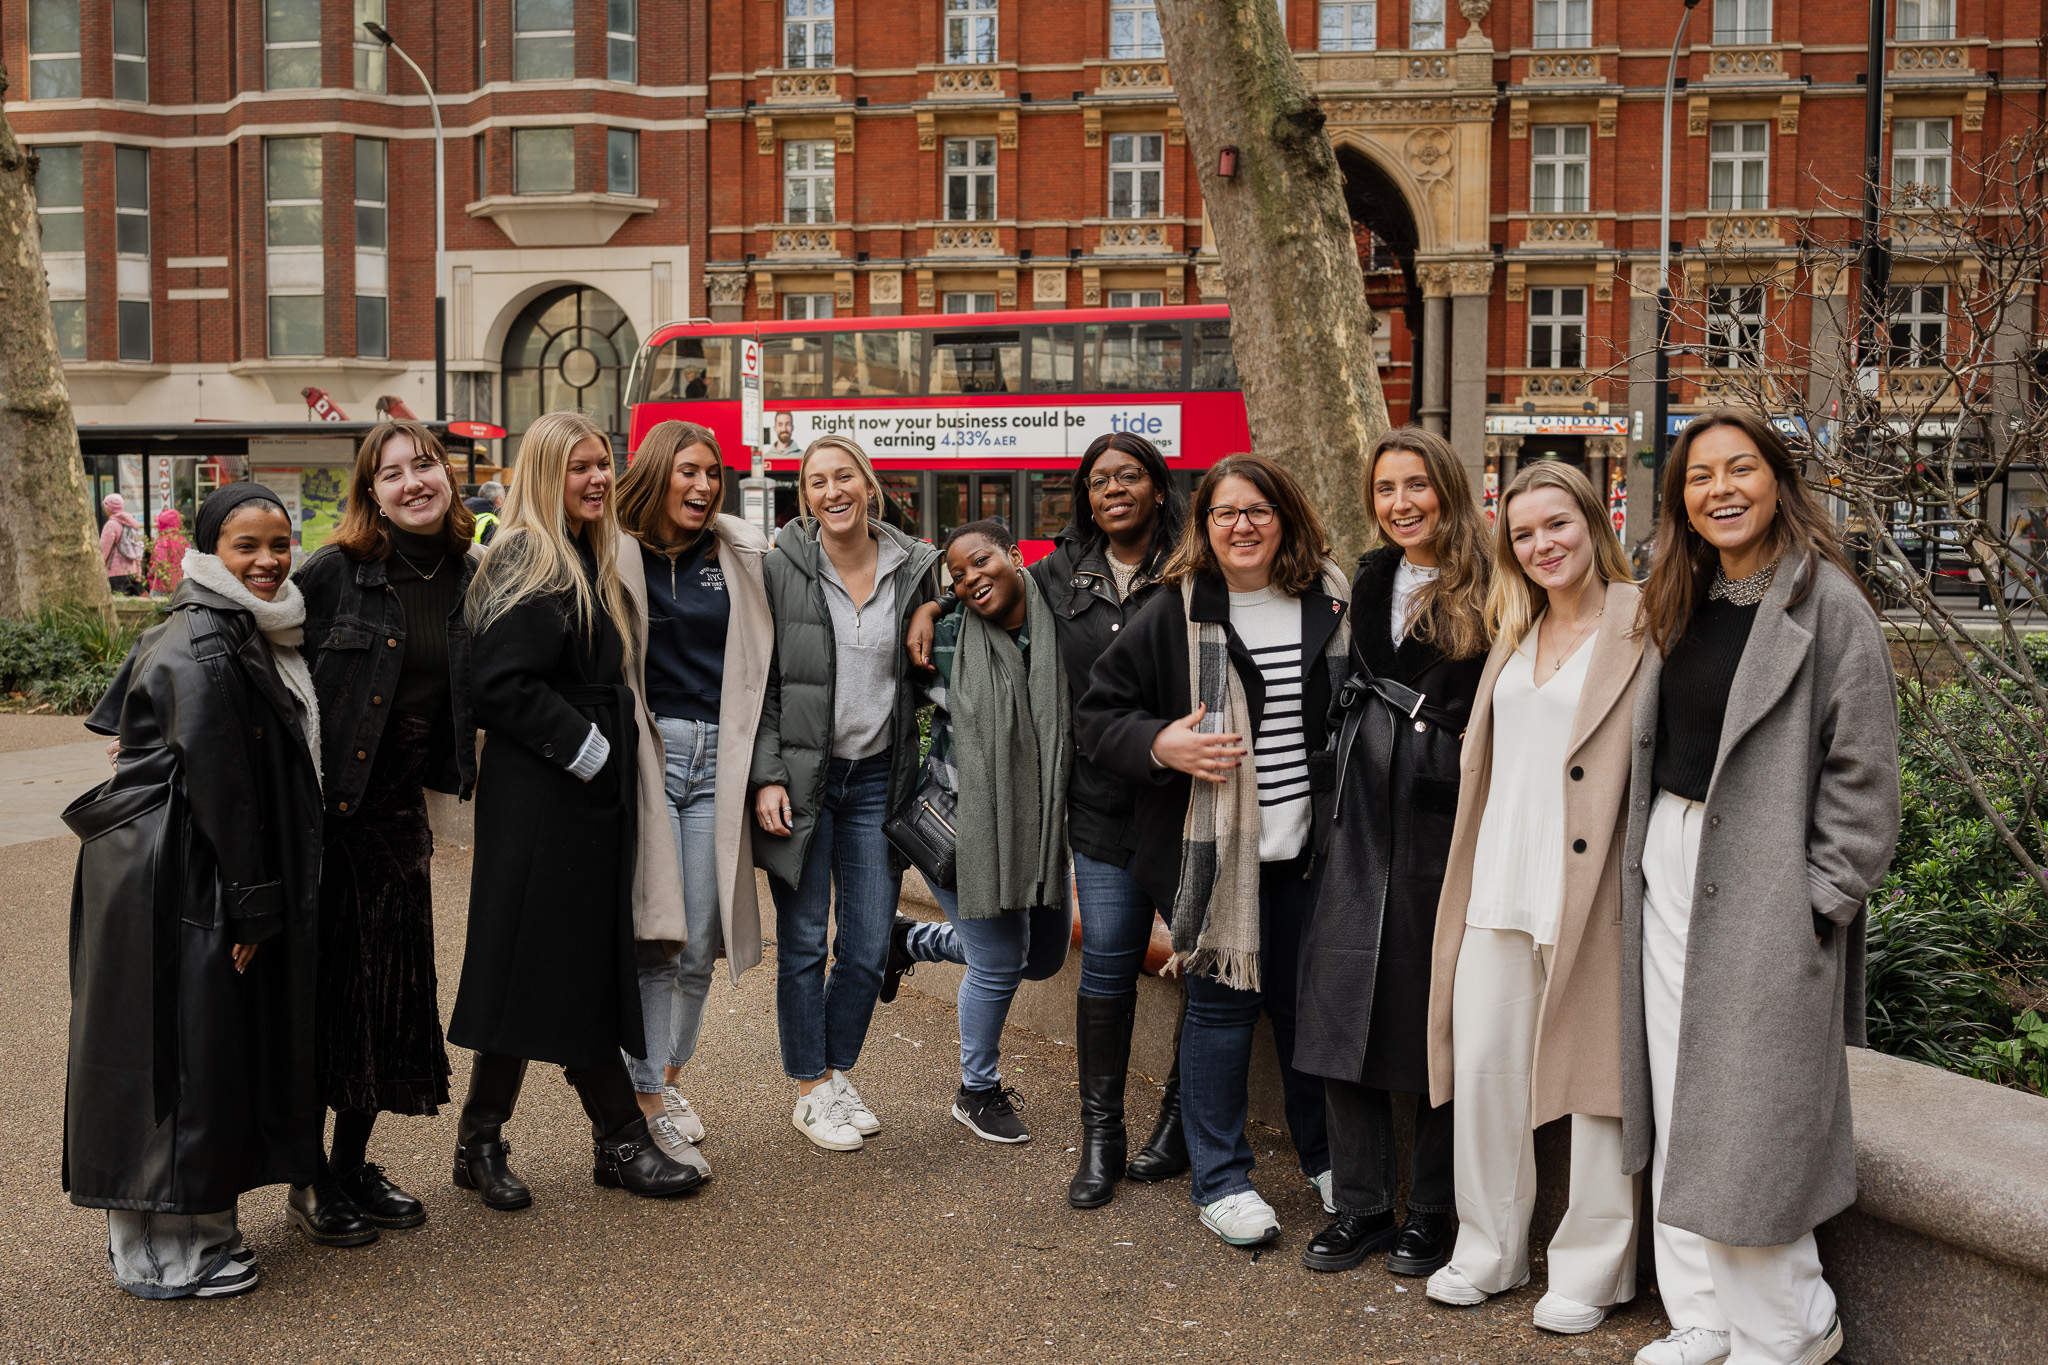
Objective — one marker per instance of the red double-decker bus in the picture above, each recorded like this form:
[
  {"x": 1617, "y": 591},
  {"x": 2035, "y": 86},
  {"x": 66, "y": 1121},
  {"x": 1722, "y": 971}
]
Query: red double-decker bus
[{"x": 966, "y": 415}]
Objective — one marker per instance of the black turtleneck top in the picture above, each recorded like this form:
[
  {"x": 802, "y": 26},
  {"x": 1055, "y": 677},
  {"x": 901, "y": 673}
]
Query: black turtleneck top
[
  {"x": 1692, "y": 696},
  {"x": 428, "y": 581}
]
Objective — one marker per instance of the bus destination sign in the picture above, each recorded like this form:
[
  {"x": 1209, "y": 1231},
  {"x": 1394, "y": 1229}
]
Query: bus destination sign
[{"x": 1022, "y": 432}]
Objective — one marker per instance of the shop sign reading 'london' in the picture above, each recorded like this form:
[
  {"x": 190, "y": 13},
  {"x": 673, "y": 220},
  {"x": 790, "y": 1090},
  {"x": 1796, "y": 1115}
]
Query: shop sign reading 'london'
[{"x": 1023, "y": 432}]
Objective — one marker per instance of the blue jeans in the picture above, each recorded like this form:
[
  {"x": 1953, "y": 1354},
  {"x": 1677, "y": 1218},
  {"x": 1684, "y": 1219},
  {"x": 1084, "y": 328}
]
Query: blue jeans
[
  {"x": 1116, "y": 927},
  {"x": 672, "y": 994},
  {"x": 999, "y": 954},
  {"x": 824, "y": 1020},
  {"x": 1216, "y": 1050}
]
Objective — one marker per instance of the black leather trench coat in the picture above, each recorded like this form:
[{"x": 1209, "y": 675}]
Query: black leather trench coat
[
  {"x": 189, "y": 1083},
  {"x": 1363, "y": 1008}
]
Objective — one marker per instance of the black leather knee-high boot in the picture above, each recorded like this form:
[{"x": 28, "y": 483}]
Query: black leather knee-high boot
[
  {"x": 1165, "y": 1154},
  {"x": 1102, "y": 1035},
  {"x": 626, "y": 1157},
  {"x": 480, "y": 1148}
]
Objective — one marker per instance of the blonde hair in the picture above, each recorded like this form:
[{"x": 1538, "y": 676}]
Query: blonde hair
[
  {"x": 861, "y": 462},
  {"x": 1514, "y": 601},
  {"x": 534, "y": 553},
  {"x": 1450, "y": 609}
]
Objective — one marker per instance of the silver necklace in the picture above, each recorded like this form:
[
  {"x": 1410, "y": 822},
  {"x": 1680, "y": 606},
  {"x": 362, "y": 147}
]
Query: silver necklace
[
  {"x": 1557, "y": 665},
  {"x": 1742, "y": 592},
  {"x": 425, "y": 577}
]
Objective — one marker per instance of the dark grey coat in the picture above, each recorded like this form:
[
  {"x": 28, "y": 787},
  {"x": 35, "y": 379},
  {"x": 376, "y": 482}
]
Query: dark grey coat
[
  {"x": 793, "y": 747},
  {"x": 1802, "y": 815}
]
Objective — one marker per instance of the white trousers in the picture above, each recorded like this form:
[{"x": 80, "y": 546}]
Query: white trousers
[
  {"x": 1496, "y": 997},
  {"x": 1771, "y": 1301}
]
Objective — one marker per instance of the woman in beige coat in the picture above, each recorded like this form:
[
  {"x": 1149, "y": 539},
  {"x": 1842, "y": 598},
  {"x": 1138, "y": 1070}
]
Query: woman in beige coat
[
  {"x": 1524, "y": 1022},
  {"x": 700, "y": 671}
]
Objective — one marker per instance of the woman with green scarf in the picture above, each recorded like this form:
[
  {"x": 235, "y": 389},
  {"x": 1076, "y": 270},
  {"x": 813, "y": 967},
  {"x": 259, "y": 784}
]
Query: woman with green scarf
[{"x": 1000, "y": 746}]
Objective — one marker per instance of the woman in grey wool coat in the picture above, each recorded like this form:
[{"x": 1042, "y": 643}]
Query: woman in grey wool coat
[{"x": 1764, "y": 808}]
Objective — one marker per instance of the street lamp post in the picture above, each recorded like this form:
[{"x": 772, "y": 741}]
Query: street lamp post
[
  {"x": 1661, "y": 436},
  {"x": 382, "y": 35}
]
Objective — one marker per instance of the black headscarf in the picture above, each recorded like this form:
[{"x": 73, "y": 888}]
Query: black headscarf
[{"x": 220, "y": 504}]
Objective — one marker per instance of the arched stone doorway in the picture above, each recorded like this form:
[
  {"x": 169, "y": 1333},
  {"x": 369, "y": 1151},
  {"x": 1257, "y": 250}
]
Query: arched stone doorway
[
  {"x": 570, "y": 348},
  {"x": 1379, "y": 207}
]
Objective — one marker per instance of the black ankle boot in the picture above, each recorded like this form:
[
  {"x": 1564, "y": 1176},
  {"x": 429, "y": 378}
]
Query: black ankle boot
[
  {"x": 1349, "y": 1240},
  {"x": 381, "y": 1201},
  {"x": 327, "y": 1216},
  {"x": 626, "y": 1155},
  {"x": 1424, "y": 1244},
  {"x": 1102, "y": 1035},
  {"x": 1165, "y": 1153},
  {"x": 480, "y": 1149}
]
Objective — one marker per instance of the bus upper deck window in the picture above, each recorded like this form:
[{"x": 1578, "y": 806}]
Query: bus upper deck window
[
  {"x": 1134, "y": 357},
  {"x": 1052, "y": 359},
  {"x": 874, "y": 363},
  {"x": 977, "y": 362},
  {"x": 1215, "y": 369},
  {"x": 792, "y": 367},
  {"x": 690, "y": 367}
]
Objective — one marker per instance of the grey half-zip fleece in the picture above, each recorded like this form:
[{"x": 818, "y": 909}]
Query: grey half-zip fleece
[{"x": 864, "y": 638}]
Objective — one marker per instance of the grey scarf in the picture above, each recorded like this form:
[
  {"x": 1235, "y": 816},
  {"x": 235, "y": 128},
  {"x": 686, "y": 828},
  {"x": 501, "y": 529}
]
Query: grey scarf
[{"x": 1012, "y": 738}]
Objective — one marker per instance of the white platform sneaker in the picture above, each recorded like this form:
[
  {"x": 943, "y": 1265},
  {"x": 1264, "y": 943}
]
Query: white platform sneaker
[
  {"x": 1568, "y": 1317},
  {"x": 1242, "y": 1219},
  {"x": 1686, "y": 1346},
  {"x": 857, "y": 1112},
  {"x": 822, "y": 1117}
]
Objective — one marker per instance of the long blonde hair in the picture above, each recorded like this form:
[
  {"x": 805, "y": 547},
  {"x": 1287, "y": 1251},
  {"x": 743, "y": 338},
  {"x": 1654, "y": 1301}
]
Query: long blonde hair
[
  {"x": 1450, "y": 610},
  {"x": 876, "y": 502},
  {"x": 534, "y": 554},
  {"x": 1513, "y": 600}
]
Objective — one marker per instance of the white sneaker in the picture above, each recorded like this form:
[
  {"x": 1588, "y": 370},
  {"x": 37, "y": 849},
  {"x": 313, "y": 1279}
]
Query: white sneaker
[
  {"x": 822, "y": 1117},
  {"x": 681, "y": 1114},
  {"x": 679, "y": 1148},
  {"x": 1449, "y": 1285},
  {"x": 1242, "y": 1219},
  {"x": 857, "y": 1112},
  {"x": 233, "y": 1277},
  {"x": 1322, "y": 1184},
  {"x": 1686, "y": 1346},
  {"x": 1827, "y": 1348},
  {"x": 1556, "y": 1313}
]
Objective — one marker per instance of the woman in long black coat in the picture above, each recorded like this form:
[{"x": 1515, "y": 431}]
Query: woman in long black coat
[
  {"x": 549, "y": 974},
  {"x": 1418, "y": 647},
  {"x": 193, "y": 919}
]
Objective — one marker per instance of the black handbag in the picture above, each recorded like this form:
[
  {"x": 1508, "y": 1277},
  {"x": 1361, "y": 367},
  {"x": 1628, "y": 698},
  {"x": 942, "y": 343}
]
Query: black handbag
[{"x": 923, "y": 832}]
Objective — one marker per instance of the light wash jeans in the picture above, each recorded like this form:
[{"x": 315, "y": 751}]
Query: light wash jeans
[
  {"x": 168, "y": 1255},
  {"x": 672, "y": 994},
  {"x": 999, "y": 954}
]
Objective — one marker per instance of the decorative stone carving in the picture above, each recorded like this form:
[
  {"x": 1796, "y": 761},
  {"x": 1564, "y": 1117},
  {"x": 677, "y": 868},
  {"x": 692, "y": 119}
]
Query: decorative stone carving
[
  {"x": 1472, "y": 277},
  {"x": 1135, "y": 76},
  {"x": 1006, "y": 130},
  {"x": 1176, "y": 287},
  {"x": 1518, "y": 275},
  {"x": 1744, "y": 63},
  {"x": 1788, "y": 115},
  {"x": 927, "y": 132},
  {"x": 727, "y": 288},
  {"x": 953, "y": 82},
  {"x": 1518, "y": 120},
  {"x": 764, "y": 291},
  {"x": 1973, "y": 111},
  {"x": 1478, "y": 109},
  {"x": 1176, "y": 128},
  {"x": 842, "y": 134},
  {"x": 1147, "y": 237},
  {"x": 1698, "y": 115},
  {"x": 1435, "y": 279},
  {"x": 1567, "y": 230},
  {"x": 924, "y": 290},
  {"x": 1940, "y": 60},
  {"x": 1049, "y": 286},
  {"x": 1603, "y": 286},
  {"x": 1091, "y": 288},
  {"x": 1610, "y": 115},
  {"x": 1564, "y": 66},
  {"x": 885, "y": 286},
  {"x": 803, "y": 242},
  {"x": 1209, "y": 279},
  {"x": 1091, "y": 127},
  {"x": 1643, "y": 279},
  {"x": 975, "y": 240},
  {"x": 1737, "y": 230},
  {"x": 842, "y": 291},
  {"x": 1475, "y": 12},
  {"x": 1429, "y": 152},
  {"x": 798, "y": 87},
  {"x": 764, "y": 136},
  {"x": 1006, "y": 289}
]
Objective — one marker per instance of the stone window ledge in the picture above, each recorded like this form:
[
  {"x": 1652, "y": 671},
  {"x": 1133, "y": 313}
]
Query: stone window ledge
[{"x": 560, "y": 219}]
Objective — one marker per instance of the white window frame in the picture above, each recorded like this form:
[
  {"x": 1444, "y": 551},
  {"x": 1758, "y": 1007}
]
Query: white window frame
[
  {"x": 133, "y": 63},
  {"x": 1735, "y": 326},
  {"x": 287, "y": 45},
  {"x": 1348, "y": 26},
  {"x": 65, "y": 268},
  {"x": 1137, "y": 298},
  {"x": 529, "y": 136},
  {"x": 295, "y": 270},
  {"x": 971, "y": 32},
  {"x": 622, "y": 41},
  {"x": 1426, "y": 25},
  {"x": 1557, "y": 325},
  {"x": 1740, "y": 23},
  {"x": 55, "y": 65},
  {"x": 1134, "y": 31},
  {"x": 1556, "y": 151},
  {"x": 812, "y": 22},
  {"x": 616, "y": 139},
  {"x": 371, "y": 60},
  {"x": 970, "y": 170},
  {"x": 1564, "y": 23},
  {"x": 810, "y": 165},
  {"x": 1137, "y": 184},
  {"x": 806, "y": 307},
  {"x": 523, "y": 40},
  {"x": 967, "y": 301},
  {"x": 1920, "y": 171},
  {"x": 1727, "y": 191},
  {"x": 1916, "y": 326},
  {"x": 1925, "y": 21},
  {"x": 373, "y": 258}
]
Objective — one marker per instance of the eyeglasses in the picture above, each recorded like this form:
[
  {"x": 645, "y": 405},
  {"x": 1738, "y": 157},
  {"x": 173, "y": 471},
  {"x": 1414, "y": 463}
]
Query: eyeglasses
[
  {"x": 1258, "y": 514},
  {"x": 1130, "y": 477}
]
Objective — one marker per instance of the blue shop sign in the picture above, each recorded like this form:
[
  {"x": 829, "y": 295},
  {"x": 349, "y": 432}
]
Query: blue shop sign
[{"x": 1793, "y": 428}]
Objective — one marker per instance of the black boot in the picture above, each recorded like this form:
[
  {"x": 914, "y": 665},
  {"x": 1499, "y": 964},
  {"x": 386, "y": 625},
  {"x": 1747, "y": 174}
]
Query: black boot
[
  {"x": 626, "y": 1155},
  {"x": 480, "y": 1150},
  {"x": 1424, "y": 1244},
  {"x": 1349, "y": 1240},
  {"x": 327, "y": 1216},
  {"x": 1165, "y": 1154},
  {"x": 1102, "y": 1035},
  {"x": 901, "y": 963}
]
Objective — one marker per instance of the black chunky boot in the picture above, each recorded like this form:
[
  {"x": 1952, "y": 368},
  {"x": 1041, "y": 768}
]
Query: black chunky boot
[
  {"x": 480, "y": 1150},
  {"x": 626, "y": 1155},
  {"x": 1102, "y": 1035},
  {"x": 328, "y": 1216},
  {"x": 1165, "y": 1154}
]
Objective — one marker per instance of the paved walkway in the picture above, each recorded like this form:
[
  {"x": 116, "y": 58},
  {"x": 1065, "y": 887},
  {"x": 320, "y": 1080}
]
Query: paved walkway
[{"x": 928, "y": 1246}]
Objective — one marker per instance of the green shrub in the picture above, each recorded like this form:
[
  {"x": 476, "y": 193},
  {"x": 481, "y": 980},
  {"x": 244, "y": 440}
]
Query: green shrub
[{"x": 63, "y": 657}]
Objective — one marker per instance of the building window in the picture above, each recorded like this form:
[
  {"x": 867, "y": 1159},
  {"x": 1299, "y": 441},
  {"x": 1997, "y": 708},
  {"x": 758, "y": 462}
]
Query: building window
[
  {"x": 1137, "y": 168},
  {"x": 53, "y": 50},
  {"x": 131, "y": 253},
  {"x": 1742, "y": 21},
  {"x": 373, "y": 247},
  {"x": 622, "y": 40},
  {"x": 1919, "y": 327},
  {"x": 1557, "y": 329},
  {"x": 1564, "y": 23},
  {"x": 1425, "y": 23},
  {"x": 807, "y": 33},
  {"x": 292, "y": 228},
  {"x": 131, "y": 50},
  {"x": 967, "y": 303},
  {"x": 1735, "y": 326},
  {"x": 543, "y": 40},
  {"x": 1926, "y": 20},
  {"x": 1137, "y": 298},
  {"x": 807, "y": 182},
  {"x": 1738, "y": 166},
  {"x": 543, "y": 160},
  {"x": 1350, "y": 26},
  {"x": 1560, "y": 154},
  {"x": 970, "y": 30},
  {"x": 1920, "y": 152},
  {"x": 291, "y": 44},
  {"x": 970, "y": 178},
  {"x": 369, "y": 53},
  {"x": 806, "y": 307},
  {"x": 60, "y": 202},
  {"x": 622, "y": 161},
  {"x": 483, "y": 44},
  {"x": 1134, "y": 30}
]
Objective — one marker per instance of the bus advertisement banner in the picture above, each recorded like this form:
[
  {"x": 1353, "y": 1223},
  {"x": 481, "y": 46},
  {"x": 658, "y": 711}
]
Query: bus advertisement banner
[{"x": 1010, "y": 432}]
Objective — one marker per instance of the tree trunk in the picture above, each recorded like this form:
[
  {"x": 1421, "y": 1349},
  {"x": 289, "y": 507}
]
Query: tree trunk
[
  {"x": 49, "y": 546},
  {"x": 1300, "y": 328}
]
